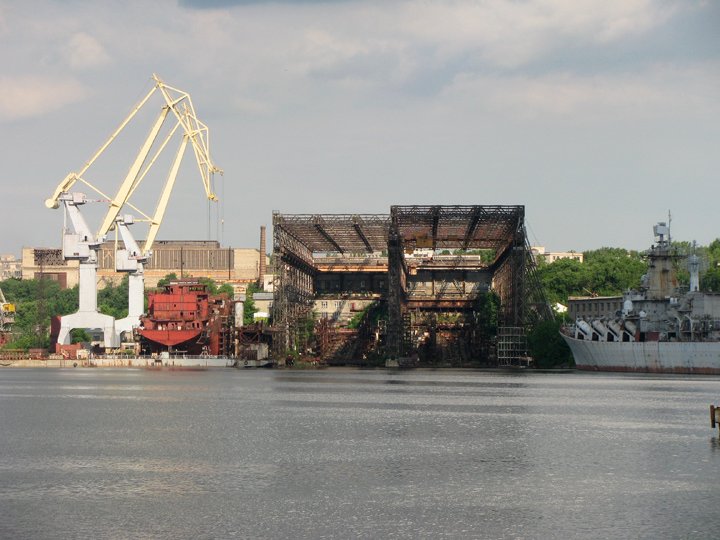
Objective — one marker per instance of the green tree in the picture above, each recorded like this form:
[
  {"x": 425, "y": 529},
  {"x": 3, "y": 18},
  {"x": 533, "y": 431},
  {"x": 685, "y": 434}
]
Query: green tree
[
  {"x": 713, "y": 251},
  {"x": 605, "y": 272},
  {"x": 563, "y": 278},
  {"x": 167, "y": 279},
  {"x": 486, "y": 312},
  {"x": 30, "y": 330},
  {"x": 613, "y": 270},
  {"x": 710, "y": 280},
  {"x": 249, "y": 308},
  {"x": 113, "y": 299},
  {"x": 79, "y": 335},
  {"x": 547, "y": 347}
]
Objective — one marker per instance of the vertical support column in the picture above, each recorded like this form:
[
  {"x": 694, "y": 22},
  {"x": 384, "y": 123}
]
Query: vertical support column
[
  {"x": 279, "y": 307},
  {"x": 263, "y": 249},
  {"x": 294, "y": 289},
  {"x": 395, "y": 329}
]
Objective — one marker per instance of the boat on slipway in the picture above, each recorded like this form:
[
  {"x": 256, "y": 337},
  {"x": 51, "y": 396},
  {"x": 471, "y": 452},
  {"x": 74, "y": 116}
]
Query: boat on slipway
[
  {"x": 660, "y": 329},
  {"x": 185, "y": 320}
]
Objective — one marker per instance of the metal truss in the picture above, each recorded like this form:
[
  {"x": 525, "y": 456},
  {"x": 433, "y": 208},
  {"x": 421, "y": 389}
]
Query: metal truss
[
  {"x": 301, "y": 240},
  {"x": 457, "y": 227},
  {"x": 499, "y": 228},
  {"x": 336, "y": 233}
]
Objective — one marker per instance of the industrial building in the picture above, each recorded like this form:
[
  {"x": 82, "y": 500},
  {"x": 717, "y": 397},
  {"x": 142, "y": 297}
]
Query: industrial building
[
  {"x": 589, "y": 307},
  {"x": 199, "y": 258},
  {"x": 416, "y": 282},
  {"x": 539, "y": 252}
]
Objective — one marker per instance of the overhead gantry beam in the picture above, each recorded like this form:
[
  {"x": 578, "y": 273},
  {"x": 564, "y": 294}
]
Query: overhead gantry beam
[
  {"x": 319, "y": 226},
  {"x": 472, "y": 227},
  {"x": 435, "y": 222},
  {"x": 357, "y": 225}
]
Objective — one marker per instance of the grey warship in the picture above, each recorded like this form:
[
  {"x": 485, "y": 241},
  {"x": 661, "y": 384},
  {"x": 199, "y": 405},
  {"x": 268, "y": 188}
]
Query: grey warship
[{"x": 660, "y": 329}]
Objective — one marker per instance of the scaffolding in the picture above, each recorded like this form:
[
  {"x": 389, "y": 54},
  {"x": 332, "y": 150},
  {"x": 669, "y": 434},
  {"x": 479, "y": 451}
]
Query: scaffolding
[
  {"x": 499, "y": 229},
  {"x": 298, "y": 241},
  {"x": 512, "y": 347},
  {"x": 305, "y": 245}
]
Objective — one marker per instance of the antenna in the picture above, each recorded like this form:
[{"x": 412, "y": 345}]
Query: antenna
[{"x": 669, "y": 227}]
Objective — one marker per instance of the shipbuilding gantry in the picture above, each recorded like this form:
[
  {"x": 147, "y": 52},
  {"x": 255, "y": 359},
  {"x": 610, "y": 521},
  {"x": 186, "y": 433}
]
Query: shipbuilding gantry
[{"x": 432, "y": 266}]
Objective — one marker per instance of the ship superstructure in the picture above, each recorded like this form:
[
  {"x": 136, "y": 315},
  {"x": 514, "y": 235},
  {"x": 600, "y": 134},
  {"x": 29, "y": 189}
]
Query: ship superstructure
[
  {"x": 660, "y": 328},
  {"x": 184, "y": 317}
]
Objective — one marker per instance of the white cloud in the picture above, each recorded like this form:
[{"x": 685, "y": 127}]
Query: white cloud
[
  {"x": 381, "y": 94},
  {"x": 660, "y": 90},
  {"x": 83, "y": 51},
  {"x": 29, "y": 96},
  {"x": 498, "y": 32}
]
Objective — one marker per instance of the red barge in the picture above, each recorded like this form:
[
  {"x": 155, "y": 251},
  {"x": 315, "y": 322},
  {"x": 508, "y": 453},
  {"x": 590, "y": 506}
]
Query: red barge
[{"x": 184, "y": 317}]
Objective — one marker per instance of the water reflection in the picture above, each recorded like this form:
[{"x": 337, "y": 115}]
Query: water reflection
[{"x": 341, "y": 453}]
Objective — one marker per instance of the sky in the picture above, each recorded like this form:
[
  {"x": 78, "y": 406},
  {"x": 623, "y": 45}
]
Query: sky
[{"x": 601, "y": 117}]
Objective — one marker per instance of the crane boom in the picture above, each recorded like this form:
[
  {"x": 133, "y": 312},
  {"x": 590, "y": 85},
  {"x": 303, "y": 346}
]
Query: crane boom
[
  {"x": 165, "y": 197},
  {"x": 132, "y": 176},
  {"x": 194, "y": 131},
  {"x": 83, "y": 245},
  {"x": 73, "y": 177}
]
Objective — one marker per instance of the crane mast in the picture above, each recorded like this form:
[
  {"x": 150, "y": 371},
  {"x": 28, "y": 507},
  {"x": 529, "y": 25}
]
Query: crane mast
[{"x": 80, "y": 243}]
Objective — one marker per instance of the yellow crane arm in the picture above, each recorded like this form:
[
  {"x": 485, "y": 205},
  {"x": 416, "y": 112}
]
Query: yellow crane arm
[
  {"x": 194, "y": 132},
  {"x": 164, "y": 197},
  {"x": 131, "y": 178},
  {"x": 71, "y": 178}
]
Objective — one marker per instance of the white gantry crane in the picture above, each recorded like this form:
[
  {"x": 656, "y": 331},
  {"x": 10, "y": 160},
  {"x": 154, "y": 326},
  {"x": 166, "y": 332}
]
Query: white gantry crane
[{"x": 80, "y": 243}]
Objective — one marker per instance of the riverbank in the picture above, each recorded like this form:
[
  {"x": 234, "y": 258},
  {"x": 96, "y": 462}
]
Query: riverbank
[{"x": 146, "y": 363}]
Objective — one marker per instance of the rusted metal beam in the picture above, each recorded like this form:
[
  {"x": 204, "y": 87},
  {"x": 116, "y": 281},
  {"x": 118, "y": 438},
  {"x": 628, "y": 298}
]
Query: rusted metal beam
[
  {"x": 435, "y": 222},
  {"x": 319, "y": 226},
  {"x": 357, "y": 225},
  {"x": 472, "y": 226}
]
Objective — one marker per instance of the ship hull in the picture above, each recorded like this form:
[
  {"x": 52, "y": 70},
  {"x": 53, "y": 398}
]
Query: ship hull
[
  {"x": 170, "y": 338},
  {"x": 699, "y": 357}
]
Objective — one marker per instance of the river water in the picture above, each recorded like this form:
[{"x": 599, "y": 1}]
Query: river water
[{"x": 123, "y": 453}]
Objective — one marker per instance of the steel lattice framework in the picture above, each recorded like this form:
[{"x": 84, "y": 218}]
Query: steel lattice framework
[
  {"x": 336, "y": 233},
  {"x": 457, "y": 227},
  {"x": 298, "y": 238}
]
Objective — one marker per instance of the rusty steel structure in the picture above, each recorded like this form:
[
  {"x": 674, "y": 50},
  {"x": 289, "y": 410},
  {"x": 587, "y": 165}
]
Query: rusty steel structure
[
  {"x": 298, "y": 240},
  {"x": 440, "y": 263}
]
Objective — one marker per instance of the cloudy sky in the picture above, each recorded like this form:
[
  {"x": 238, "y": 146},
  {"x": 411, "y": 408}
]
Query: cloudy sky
[{"x": 598, "y": 115}]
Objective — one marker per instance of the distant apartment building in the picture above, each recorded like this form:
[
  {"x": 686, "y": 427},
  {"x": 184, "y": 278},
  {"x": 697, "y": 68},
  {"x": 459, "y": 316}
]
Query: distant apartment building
[
  {"x": 10, "y": 267},
  {"x": 552, "y": 256},
  {"x": 263, "y": 303},
  {"x": 593, "y": 307}
]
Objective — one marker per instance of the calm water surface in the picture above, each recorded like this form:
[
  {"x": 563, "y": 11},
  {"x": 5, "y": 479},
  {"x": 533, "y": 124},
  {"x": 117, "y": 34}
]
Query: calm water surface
[{"x": 103, "y": 453}]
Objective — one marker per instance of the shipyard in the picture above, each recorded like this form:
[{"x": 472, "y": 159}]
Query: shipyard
[
  {"x": 359, "y": 269},
  {"x": 423, "y": 285},
  {"x": 452, "y": 286}
]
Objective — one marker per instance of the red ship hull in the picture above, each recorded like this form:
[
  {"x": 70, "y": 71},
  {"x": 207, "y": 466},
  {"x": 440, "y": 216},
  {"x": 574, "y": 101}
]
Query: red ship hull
[{"x": 170, "y": 338}]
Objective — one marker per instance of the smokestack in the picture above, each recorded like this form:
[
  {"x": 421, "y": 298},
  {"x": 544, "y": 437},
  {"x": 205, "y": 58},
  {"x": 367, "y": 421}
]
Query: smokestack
[
  {"x": 263, "y": 251},
  {"x": 694, "y": 266}
]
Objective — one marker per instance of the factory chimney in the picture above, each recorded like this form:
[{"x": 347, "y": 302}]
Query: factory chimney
[
  {"x": 263, "y": 251},
  {"x": 694, "y": 267}
]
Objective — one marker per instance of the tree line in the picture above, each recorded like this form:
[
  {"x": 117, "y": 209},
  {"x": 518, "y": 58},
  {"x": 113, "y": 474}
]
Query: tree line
[
  {"x": 38, "y": 300},
  {"x": 610, "y": 271}
]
